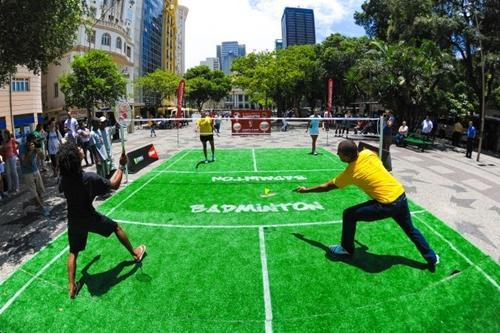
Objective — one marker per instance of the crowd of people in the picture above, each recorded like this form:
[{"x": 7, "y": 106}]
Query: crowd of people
[{"x": 35, "y": 153}]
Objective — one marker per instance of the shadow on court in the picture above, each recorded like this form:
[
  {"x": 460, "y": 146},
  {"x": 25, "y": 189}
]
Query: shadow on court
[
  {"x": 100, "y": 283},
  {"x": 362, "y": 259}
]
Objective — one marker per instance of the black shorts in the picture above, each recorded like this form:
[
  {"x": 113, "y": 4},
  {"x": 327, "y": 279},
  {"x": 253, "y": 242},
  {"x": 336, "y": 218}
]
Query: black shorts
[
  {"x": 78, "y": 231},
  {"x": 205, "y": 138}
]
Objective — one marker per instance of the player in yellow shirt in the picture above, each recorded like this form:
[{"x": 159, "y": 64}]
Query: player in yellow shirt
[
  {"x": 366, "y": 171},
  {"x": 205, "y": 125}
]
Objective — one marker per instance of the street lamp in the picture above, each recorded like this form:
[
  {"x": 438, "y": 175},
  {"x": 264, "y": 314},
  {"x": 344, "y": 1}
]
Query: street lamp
[{"x": 481, "y": 131}]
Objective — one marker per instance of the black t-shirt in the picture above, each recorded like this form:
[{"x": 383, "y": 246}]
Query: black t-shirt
[{"x": 80, "y": 192}]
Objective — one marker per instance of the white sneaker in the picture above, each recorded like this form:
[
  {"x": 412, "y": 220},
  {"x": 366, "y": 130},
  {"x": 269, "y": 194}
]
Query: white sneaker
[{"x": 338, "y": 249}]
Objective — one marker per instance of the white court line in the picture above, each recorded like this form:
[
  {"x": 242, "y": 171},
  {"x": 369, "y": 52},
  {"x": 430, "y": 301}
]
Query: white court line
[
  {"x": 254, "y": 161},
  {"x": 26, "y": 285},
  {"x": 246, "y": 171},
  {"x": 229, "y": 226},
  {"x": 265, "y": 282},
  {"x": 41, "y": 249},
  {"x": 146, "y": 183},
  {"x": 489, "y": 278}
]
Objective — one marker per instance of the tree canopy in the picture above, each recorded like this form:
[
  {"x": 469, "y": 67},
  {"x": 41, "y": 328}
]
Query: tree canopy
[
  {"x": 158, "y": 85},
  {"x": 203, "y": 84},
  {"x": 34, "y": 33},
  {"x": 95, "y": 81}
]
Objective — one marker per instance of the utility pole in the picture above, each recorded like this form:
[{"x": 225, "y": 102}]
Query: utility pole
[
  {"x": 481, "y": 131},
  {"x": 13, "y": 131}
]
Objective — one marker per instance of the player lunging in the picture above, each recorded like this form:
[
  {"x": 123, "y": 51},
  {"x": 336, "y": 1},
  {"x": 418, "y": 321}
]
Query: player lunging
[
  {"x": 366, "y": 171},
  {"x": 80, "y": 188}
]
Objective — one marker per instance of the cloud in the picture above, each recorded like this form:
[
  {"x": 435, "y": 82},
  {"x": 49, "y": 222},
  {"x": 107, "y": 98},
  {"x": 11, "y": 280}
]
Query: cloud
[{"x": 257, "y": 23}]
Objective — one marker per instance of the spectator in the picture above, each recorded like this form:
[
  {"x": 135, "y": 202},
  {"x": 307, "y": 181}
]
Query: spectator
[
  {"x": 402, "y": 134},
  {"x": 29, "y": 153},
  {"x": 471, "y": 136},
  {"x": 70, "y": 124},
  {"x": 54, "y": 140},
  {"x": 9, "y": 153},
  {"x": 105, "y": 135},
  {"x": 84, "y": 142},
  {"x": 40, "y": 139},
  {"x": 386, "y": 146},
  {"x": 427, "y": 127},
  {"x": 458, "y": 130},
  {"x": 2, "y": 172}
]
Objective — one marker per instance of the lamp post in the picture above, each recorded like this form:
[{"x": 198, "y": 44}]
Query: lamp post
[{"x": 481, "y": 131}]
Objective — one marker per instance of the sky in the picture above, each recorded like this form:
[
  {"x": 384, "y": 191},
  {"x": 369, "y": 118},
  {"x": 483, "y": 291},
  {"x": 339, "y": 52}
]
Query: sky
[{"x": 257, "y": 23}]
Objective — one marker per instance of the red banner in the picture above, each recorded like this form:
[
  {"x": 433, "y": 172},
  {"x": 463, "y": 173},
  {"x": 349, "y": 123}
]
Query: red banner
[
  {"x": 330, "y": 96},
  {"x": 254, "y": 124},
  {"x": 180, "y": 95}
]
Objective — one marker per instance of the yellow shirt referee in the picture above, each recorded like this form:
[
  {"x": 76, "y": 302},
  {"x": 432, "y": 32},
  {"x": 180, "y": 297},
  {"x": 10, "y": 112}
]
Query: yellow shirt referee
[{"x": 366, "y": 171}]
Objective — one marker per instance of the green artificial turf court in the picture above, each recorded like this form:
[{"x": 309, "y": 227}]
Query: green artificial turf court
[{"x": 232, "y": 249}]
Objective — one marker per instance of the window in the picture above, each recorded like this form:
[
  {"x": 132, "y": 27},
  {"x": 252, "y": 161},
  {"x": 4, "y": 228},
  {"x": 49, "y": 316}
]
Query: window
[
  {"x": 56, "y": 90},
  {"x": 106, "y": 39},
  {"x": 119, "y": 43},
  {"x": 20, "y": 84},
  {"x": 129, "y": 51}
]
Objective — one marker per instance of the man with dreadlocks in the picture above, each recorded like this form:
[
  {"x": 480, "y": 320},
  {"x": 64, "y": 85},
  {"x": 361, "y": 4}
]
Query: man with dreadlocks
[{"x": 80, "y": 189}]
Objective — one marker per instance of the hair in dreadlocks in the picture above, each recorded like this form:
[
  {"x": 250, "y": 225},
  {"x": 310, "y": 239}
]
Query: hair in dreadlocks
[{"x": 69, "y": 161}]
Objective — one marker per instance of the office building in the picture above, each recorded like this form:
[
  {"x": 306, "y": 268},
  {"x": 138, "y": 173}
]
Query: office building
[
  {"x": 180, "y": 49},
  {"x": 227, "y": 52},
  {"x": 212, "y": 63},
  {"x": 297, "y": 27},
  {"x": 169, "y": 35},
  {"x": 278, "y": 44}
]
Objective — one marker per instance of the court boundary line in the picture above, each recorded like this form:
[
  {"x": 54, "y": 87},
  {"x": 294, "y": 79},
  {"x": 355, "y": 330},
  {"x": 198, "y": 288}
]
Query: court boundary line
[
  {"x": 265, "y": 283},
  {"x": 470, "y": 262},
  {"x": 234, "y": 226},
  {"x": 243, "y": 171},
  {"x": 254, "y": 160},
  {"x": 30, "y": 281},
  {"x": 41, "y": 249},
  {"x": 143, "y": 185}
]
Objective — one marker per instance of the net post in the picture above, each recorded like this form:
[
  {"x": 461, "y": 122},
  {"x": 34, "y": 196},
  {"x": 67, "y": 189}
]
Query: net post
[
  {"x": 178, "y": 145},
  {"x": 381, "y": 136}
]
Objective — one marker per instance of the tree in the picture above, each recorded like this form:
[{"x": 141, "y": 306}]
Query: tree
[
  {"x": 203, "y": 84},
  {"x": 95, "y": 81},
  {"x": 158, "y": 85},
  {"x": 34, "y": 33}
]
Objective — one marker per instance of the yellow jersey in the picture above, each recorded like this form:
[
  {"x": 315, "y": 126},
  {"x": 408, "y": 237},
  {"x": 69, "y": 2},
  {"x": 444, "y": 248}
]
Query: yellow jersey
[
  {"x": 205, "y": 125},
  {"x": 368, "y": 173}
]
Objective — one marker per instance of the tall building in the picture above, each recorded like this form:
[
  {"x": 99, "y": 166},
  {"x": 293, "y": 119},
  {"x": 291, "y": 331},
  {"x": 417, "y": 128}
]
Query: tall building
[
  {"x": 212, "y": 63},
  {"x": 227, "y": 52},
  {"x": 180, "y": 49},
  {"x": 148, "y": 40},
  {"x": 112, "y": 26},
  {"x": 26, "y": 103},
  {"x": 297, "y": 27},
  {"x": 169, "y": 35}
]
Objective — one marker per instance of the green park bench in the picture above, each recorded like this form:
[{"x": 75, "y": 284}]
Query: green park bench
[{"x": 418, "y": 140}]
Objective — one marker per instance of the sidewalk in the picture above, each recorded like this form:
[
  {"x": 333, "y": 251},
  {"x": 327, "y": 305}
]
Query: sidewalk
[{"x": 462, "y": 192}]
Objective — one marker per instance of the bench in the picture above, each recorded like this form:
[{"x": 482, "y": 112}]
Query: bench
[{"x": 418, "y": 140}]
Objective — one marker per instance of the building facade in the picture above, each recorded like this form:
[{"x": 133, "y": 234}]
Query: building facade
[
  {"x": 169, "y": 39},
  {"x": 278, "y": 44},
  {"x": 227, "y": 52},
  {"x": 26, "y": 99},
  {"x": 148, "y": 29},
  {"x": 112, "y": 30},
  {"x": 298, "y": 27},
  {"x": 180, "y": 48},
  {"x": 212, "y": 63}
]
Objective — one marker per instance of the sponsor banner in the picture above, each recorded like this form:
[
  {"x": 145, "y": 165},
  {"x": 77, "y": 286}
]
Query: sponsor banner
[
  {"x": 257, "y": 208},
  {"x": 255, "y": 125},
  {"x": 140, "y": 158},
  {"x": 330, "y": 96}
]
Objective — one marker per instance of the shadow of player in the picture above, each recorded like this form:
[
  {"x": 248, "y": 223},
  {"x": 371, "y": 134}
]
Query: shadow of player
[
  {"x": 100, "y": 283},
  {"x": 362, "y": 259}
]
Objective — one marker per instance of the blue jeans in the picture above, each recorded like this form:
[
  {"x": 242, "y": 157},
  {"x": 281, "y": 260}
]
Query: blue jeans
[{"x": 373, "y": 211}]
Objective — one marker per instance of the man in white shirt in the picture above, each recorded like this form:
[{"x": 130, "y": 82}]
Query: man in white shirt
[
  {"x": 427, "y": 127},
  {"x": 72, "y": 125}
]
